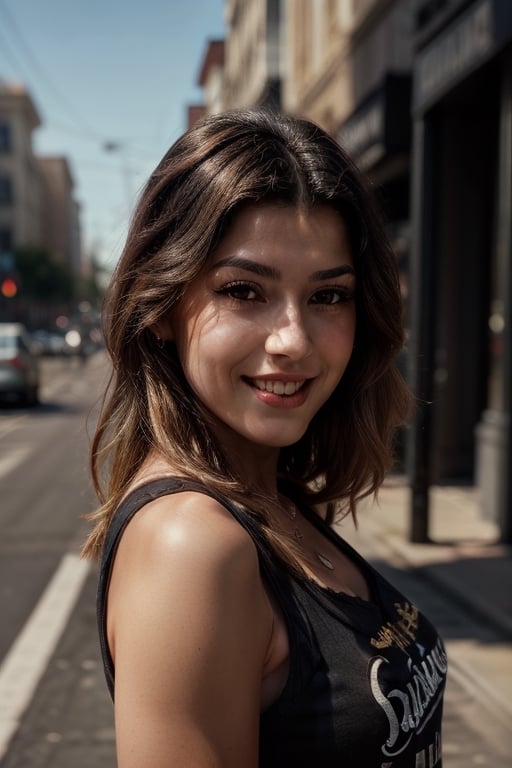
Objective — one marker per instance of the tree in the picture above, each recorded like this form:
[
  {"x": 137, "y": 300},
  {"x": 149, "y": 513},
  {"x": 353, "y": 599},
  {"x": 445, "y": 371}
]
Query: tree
[{"x": 40, "y": 278}]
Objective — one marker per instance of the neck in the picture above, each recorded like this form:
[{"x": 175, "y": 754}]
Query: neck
[{"x": 256, "y": 465}]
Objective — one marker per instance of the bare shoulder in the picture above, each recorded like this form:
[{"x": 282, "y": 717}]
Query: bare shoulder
[
  {"x": 189, "y": 625},
  {"x": 187, "y": 549},
  {"x": 184, "y": 526}
]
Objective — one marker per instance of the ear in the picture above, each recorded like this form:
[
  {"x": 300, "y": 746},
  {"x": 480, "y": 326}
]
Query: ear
[{"x": 162, "y": 330}]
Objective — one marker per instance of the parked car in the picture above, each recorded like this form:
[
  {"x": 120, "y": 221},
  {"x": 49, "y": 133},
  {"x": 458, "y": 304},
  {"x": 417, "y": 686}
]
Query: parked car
[
  {"x": 19, "y": 367},
  {"x": 49, "y": 343}
]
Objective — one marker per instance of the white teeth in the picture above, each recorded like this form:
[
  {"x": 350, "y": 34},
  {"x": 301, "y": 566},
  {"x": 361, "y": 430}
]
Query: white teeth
[{"x": 278, "y": 387}]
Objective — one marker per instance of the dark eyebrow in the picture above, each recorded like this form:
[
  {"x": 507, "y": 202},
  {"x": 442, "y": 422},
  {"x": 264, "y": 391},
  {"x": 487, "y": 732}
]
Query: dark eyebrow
[
  {"x": 249, "y": 266},
  {"x": 328, "y": 274},
  {"x": 274, "y": 274}
]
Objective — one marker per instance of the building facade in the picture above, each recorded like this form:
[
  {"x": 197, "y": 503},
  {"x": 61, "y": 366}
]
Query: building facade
[
  {"x": 211, "y": 81},
  {"x": 253, "y": 53},
  {"x": 462, "y": 250},
  {"x": 20, "y": 182},
  {"x": 37, "y": 203},
  {"x": 60, "y": 230},
  {"x": 318, "y": 79},
  {"x": 211, "y": 77}
]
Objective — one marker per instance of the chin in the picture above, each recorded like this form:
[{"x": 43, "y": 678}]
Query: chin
[{"x": 278, "y": 441}]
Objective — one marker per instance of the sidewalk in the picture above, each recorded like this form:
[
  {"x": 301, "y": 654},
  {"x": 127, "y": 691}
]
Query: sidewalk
[
  {"x": 463, "y": 566},
  {"x": 464, "y": 556}
]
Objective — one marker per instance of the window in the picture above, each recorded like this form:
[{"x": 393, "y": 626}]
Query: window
[
  {"x": 5, "y": 241},
  {"x": 5, "y": 190},
  {"x": 5, "y": 137}
]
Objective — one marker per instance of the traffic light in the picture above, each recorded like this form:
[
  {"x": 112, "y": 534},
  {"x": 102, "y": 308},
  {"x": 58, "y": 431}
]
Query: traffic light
[{"x": 9, "y": 288}]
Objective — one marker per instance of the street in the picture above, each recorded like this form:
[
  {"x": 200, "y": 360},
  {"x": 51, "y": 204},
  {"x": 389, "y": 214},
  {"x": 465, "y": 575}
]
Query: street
[
  {"x": 45, "y": 491},
  {"x": 66, "y": 717}
]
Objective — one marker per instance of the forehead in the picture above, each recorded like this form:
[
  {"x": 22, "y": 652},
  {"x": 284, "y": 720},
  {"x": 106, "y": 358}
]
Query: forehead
[{"x": 267, "y": 229}]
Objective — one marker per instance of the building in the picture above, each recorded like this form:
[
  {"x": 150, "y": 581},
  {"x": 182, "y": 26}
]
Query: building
[
  {"x": 60, "y": 230},
  {"x": 318, "y": 81},
  {"x": 211, "y": 81},
  {"x": 253, "y": 53},
  {"x": 349, "y": 70},
  {"x": 194, "y": 113},
  {"x": 211, "y": 77},
  {"x": 20, "y": 183},
  {"x": 37, "y": 204},
  {"x": 245, "y": 69},
  {"x": 461, "y": 276}
]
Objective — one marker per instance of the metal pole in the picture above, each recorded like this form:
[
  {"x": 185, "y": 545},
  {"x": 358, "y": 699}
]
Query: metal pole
[
  {"x": 116, "y": 146},
  {"x": 504, "y": 246},
  {"x": 421, "y": 357}
]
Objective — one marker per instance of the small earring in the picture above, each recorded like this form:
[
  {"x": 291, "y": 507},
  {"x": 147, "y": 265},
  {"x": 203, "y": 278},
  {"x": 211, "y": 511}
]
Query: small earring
[{"x": 160, "y": 342}]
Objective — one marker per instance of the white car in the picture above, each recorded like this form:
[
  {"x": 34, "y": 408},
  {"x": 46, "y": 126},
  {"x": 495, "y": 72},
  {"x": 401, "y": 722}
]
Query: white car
[{"x": 19, "y": 367}]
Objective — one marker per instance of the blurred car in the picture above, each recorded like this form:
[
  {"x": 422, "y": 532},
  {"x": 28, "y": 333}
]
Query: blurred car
[
  {"x": 48, "y": 343},
  {"x": 19, "y": 367}
]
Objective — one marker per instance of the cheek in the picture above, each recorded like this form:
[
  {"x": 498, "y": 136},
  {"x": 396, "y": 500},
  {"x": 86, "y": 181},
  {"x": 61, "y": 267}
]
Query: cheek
[
  {"x": 209, "y": 350},
  {"x": 338, "y": 340},
  {"x": 221, "y": 334}
]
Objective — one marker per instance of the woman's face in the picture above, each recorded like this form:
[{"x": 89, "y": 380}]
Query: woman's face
[{"x": 265, "y": 333}]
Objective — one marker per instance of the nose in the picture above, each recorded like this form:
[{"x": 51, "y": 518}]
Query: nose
[{"x": 289, "y": 336}]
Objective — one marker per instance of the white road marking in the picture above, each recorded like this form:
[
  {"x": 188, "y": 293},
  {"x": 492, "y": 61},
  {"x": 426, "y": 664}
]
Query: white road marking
[
  {"x": 28, "y": 657},
  {"x": 8, "y": 425},
  {"x": 14, "y": 458}
]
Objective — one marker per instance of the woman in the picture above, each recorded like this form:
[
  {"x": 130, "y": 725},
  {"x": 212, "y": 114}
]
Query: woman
[{"x": 252, "y": 323}]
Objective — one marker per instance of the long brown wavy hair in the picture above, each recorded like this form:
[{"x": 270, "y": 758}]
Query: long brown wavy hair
[{"x": 223, "y": 162}]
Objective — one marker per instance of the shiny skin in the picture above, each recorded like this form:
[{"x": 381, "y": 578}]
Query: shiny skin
[{"x": 265, "y": 311}]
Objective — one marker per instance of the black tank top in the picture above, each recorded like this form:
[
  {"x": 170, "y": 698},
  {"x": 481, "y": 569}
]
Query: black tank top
[{"x": 366, "y": 678}]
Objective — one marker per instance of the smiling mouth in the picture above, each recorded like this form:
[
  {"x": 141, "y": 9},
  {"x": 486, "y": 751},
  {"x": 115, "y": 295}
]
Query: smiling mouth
[{"x": 283, "y": 388}]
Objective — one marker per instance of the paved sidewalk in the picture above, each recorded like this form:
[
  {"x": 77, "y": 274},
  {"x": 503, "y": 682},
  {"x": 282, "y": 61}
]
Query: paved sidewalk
[
  {"x": 463, "y": 581},
  {"x": 463, "y": 556}
]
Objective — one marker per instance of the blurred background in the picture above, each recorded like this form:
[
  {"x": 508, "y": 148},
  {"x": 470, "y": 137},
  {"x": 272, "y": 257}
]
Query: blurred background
[{"x": 91, "y": 96}]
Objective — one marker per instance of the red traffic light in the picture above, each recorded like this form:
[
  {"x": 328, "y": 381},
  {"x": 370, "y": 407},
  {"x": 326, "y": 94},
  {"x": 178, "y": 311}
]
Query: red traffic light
[{"x": 9, "y": 288}]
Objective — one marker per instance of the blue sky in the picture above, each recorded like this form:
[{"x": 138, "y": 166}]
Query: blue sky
[{"x": 108, "y": 71}]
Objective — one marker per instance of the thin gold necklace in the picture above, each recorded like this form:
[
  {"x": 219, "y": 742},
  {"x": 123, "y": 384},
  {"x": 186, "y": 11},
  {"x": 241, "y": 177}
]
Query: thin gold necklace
[{"x": 298, "y": 536}]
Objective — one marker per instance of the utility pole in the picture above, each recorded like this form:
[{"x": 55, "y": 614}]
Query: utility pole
[
  {"x": 422, "y": 340},
  {"x": 120, "y": 148}
]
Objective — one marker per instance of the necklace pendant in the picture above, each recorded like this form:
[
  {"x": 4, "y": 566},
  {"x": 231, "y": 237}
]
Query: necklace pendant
[{"x": 325, "y": 561}]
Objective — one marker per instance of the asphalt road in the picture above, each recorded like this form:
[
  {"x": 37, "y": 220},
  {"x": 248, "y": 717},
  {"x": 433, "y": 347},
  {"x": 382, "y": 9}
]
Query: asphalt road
[
  {"x": 44, "y": 493},
  {"x": 65, "y": 720}
]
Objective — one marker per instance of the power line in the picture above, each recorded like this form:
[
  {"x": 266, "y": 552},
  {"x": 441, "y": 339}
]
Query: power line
[
  {"x": 11, "y": 54},
  {"x": 105, "y": 144},
  {"x": 79, "y": 126},
  {"x": 42, "y": 75}
]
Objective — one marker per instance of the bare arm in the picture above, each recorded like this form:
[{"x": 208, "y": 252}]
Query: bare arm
[{"x": 189, "y": 628}]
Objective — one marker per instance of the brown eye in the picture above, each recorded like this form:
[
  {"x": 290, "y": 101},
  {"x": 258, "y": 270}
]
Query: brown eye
[
  {"x": 330, "y": 296},
  {"x": 240, "y": 290}
]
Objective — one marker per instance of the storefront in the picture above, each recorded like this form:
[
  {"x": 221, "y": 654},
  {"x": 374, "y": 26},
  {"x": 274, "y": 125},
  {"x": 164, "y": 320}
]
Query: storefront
[
  {"x": 461, "y": 274},
  {"x": 378, "y": 136}
]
